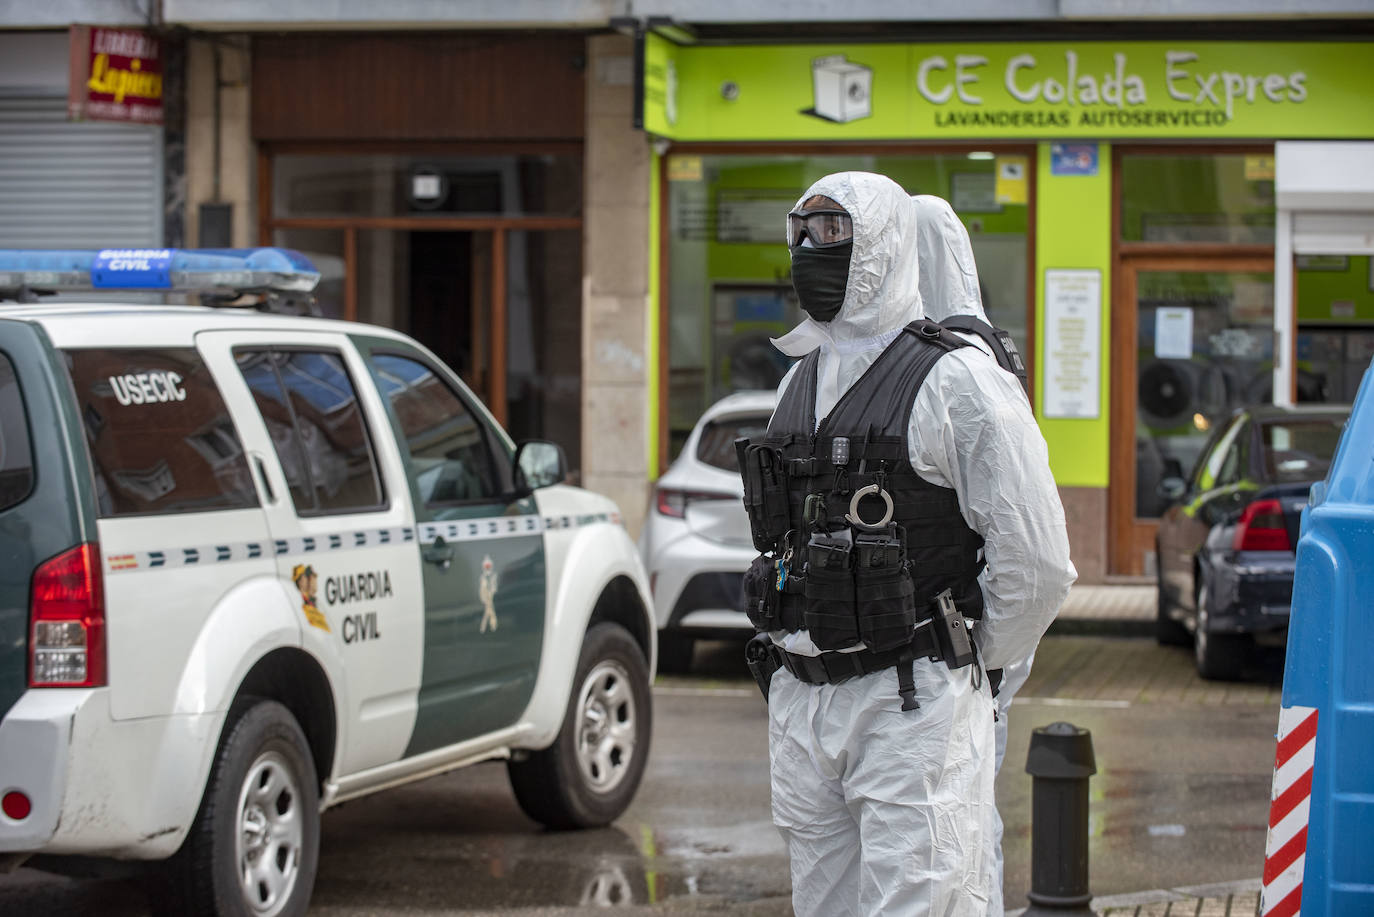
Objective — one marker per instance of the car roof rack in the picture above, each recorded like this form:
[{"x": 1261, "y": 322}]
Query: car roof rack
[{"x": 281, "y": 280}]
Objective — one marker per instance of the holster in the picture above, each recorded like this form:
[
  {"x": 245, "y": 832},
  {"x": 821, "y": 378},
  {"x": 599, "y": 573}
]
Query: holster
[
  {"x": 762, "y": 661},
  {"x": 956, "y": 647}
]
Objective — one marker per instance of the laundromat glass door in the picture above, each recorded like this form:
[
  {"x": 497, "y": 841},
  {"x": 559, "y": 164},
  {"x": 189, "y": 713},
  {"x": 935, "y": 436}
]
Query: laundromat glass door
[{"x": 1203, "y": 346}]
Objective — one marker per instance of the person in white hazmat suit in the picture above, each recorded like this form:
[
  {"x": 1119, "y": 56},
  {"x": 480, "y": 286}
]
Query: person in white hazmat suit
[
  {"x": 883, "y": 792},
  {"x": 949, "y": 287}
]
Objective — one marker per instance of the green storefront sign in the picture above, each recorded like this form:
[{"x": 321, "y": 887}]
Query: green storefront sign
[{"x": 1175, "y": 89}]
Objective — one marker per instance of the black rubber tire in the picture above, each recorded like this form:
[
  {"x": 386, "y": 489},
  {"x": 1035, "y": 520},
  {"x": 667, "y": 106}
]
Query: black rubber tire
[
  {"x": 675, "y": 652},
  {"x": 202, "y": 878},
  {"x": 1219, "y": 657},
  {"x": 549, "y": 784},
  {"x": 1168, "y": 632}
]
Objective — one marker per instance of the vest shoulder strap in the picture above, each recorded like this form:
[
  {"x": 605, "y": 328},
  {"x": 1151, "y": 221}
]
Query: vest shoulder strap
[
  {"x": 934, "y": 333},
  {"x": 998, "y": 340},
  {"x": 796, "y": 410},
  {"x": 881, "y": 400}
]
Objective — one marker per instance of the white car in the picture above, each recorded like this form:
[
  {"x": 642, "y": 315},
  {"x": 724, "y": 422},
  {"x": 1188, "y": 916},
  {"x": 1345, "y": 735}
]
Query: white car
[
  {"x": 696, "y": 543},
  {"x": 256, "y": 565}
]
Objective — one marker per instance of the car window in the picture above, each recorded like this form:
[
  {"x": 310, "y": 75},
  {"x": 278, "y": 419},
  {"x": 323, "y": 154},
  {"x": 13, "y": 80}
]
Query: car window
[
  {"x": 1214, "y": 465},
  {"x": 450, "y": 457},
  {"x": 311, "y": 410},
  {"x": 716, "y": 445},
  {"x": 160, "y": 436},
  {"x": 1299, "y": 450},
  {"x": 16, "y": 455},
  {"x": 1234, "y": 463}
]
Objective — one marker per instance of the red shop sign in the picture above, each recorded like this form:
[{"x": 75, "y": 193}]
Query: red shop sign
[{"x": 116, "y": 75}]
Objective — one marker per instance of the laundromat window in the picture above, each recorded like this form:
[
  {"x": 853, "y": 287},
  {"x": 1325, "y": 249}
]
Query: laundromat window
[
  {"x": 1223, "y": 198},
  {"x": 729, "y": 273},
  {"x": 407, "y": 185}
]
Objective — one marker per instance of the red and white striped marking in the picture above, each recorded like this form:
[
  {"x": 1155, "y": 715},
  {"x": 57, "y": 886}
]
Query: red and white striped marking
[{"x": 1285, "y": 853}]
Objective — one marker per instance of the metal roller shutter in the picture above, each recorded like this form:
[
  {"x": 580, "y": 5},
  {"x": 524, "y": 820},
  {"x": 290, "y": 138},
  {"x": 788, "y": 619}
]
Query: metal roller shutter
[{"x": 63, "y": 184}]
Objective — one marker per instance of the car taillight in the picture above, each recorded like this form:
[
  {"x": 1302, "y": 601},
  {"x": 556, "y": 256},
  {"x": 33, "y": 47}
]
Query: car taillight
[
  {"x": 67, "y": 621},
  {"x": 1262, "y": 528},
  {"x": 674, "y": 503}
]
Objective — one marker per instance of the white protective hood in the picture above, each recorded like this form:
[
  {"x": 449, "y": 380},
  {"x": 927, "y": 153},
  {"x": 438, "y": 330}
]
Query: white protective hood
[
  {"x": 883, "y": 292},
  {"x": 949, "y": 275}
]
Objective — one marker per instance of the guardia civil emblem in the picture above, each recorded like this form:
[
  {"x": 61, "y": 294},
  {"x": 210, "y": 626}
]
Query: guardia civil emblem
[{"x": 307, "y": 584}]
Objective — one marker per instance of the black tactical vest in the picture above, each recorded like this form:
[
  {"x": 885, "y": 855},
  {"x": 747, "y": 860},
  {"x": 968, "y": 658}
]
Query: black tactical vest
[{"x": 843, "y": 582}]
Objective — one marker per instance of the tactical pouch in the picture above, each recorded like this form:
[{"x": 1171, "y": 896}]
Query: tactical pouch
[
  {"x": 761, "y": 596},
  {"x": 792, "y": 602},
  {"x": 765, "y": 491},
  {"x": 830, "y": 610},
  {"x": 883, "y": 589}
]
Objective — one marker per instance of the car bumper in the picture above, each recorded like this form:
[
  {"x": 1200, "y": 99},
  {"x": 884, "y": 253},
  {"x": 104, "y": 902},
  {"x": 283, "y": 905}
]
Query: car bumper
[
  {"x": 710, "y": 605},
  {"x": 98, "y": 786},
  {"x": 1253, "y": 594},
  {"x": 697, "y": 586}
]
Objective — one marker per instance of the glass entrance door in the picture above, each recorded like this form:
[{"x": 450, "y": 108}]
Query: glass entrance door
[{"x": 1193, "y": 340}]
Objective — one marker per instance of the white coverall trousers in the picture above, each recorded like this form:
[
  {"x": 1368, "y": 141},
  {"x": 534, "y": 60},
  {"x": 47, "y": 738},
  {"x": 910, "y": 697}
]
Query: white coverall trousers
[{"x": 885, "y": 811}]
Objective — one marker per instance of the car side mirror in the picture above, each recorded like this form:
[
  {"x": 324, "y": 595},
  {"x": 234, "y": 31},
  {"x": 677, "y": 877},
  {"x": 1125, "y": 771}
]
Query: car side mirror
[
  {"x": 1171, "y": 488},
  {"x": 539, "y": 464}
]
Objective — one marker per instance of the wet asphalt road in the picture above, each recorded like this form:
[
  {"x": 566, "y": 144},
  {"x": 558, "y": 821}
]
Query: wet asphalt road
[{"x": 1181, "y": 797}]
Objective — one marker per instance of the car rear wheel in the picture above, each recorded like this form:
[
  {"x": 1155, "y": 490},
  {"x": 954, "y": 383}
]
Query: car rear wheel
[
  {"x": 1220, "y": 657},
  {"x": 674, "y": 652},
  {"x": 588, "y": 776},
  {"x": 254, "y": 846}
]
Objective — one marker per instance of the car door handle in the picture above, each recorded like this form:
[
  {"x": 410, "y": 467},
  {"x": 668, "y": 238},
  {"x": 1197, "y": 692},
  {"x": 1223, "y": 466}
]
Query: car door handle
[
  {"x": 440, "y": 554},
  {"x": 261, "y": 469}
]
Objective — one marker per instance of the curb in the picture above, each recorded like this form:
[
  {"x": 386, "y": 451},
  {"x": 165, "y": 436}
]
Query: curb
[{"x": 1103, "y": 627}]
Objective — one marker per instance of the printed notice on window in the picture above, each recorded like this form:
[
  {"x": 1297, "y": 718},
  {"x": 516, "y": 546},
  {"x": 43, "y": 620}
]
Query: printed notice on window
[
  {"x": 1072, "y": 351},
  {"x": 1174, "y": 333}
]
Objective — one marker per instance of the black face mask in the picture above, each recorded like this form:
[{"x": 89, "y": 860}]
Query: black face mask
[{"x": 820, "y": 275}]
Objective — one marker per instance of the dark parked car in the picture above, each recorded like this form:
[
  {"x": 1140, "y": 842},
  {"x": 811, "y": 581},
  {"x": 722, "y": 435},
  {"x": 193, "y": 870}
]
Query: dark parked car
[{"x": 1225, "y": 545}]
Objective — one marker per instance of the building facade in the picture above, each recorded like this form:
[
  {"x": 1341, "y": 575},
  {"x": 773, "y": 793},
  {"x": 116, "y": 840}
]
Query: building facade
[
  {"x": 1121, "y": 200},
  {"x": 584, "y": 215}
]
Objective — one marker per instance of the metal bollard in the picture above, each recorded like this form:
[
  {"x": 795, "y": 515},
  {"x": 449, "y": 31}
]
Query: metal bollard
[{"x": 1061, "y": 761}]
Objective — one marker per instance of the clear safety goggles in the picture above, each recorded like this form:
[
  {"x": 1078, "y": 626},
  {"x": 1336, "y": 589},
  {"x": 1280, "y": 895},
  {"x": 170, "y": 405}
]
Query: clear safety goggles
[{"x": 823, "y": 227}]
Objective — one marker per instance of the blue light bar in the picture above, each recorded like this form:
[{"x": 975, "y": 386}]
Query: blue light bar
[{"x": 226, "y": 271}]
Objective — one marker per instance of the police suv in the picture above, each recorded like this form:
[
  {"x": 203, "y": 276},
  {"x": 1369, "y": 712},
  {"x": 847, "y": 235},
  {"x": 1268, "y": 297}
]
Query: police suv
[{"x": 253, "y": 565}]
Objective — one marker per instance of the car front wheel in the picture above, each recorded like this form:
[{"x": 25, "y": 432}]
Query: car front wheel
[
  {"x": 254, "y": 846},
  {"x": 588, "y": 776}
]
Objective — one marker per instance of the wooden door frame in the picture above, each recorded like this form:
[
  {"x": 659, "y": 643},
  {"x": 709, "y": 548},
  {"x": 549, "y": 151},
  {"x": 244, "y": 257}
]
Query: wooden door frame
[
  {"x": 1130, "y": 536},
  {"x": 495, "y": 395},
  {"x": 812, "y": 148}
]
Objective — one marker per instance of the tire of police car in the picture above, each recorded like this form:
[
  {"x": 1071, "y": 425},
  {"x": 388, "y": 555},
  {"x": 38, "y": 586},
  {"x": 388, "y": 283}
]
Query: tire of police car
[
  {"x": 551, "y": 785},
  {"x": 203, "y": 877}
]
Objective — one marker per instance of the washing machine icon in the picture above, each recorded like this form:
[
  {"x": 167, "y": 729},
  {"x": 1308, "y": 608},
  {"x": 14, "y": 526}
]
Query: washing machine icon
[{"x": 842, "y": 90}]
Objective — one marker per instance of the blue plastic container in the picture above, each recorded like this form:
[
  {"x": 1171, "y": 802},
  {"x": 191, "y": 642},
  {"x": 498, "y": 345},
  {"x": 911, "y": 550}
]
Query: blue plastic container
[{"x": 1330, "y": 668}]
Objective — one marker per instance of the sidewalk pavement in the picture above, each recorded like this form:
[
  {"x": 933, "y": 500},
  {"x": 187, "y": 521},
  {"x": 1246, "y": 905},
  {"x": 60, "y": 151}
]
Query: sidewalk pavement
[
  {"x": 1223, "y": 899},
  {"x": 1108, "y": 610},
  {"x": 1129, "y": 611}
]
